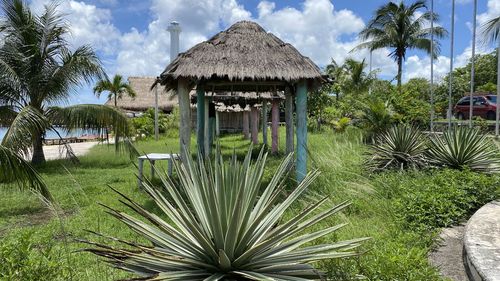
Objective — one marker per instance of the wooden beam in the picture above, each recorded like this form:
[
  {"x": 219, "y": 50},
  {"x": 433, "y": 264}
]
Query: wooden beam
[
  {"x": 255, "y": 125},
  {"x": 301, "y": 111},
  {"x": 207, "y": 127},
  {"x": 185, "y": 122},
  {"x": 275, "y": 115},
  {"x": 217, "y": 124},
  {"x": 264, "y": 122},
  {"x": 200, "y": 119},
  {"x": 289, "y": 121},
  {"x": 246, "y": 125}
]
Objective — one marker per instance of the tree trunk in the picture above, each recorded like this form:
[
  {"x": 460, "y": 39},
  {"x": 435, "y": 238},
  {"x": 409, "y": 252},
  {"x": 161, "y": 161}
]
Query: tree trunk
[
  {"x": 116, "y": 135},
  {"x": 38, "y": 155},
  {"x": 400, "y": 71}
]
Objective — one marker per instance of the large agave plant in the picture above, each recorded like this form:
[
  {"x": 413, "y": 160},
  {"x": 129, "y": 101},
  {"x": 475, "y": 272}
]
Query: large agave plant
[
  {"x": 464, "y": 148},
  {"x": 400, "y": 147},
  {"x": 223, "y": 225}
]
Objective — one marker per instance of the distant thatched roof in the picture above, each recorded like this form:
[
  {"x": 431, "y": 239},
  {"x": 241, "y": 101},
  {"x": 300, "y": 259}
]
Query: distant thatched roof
[
  {"x": 145, "y": 98},
  {"x": 244, "y": 52}
]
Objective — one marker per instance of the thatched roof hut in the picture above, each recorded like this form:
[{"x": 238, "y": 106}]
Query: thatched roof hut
[
  {"x": 245, "y": 52},
  {"x": 145, "y": 97}
]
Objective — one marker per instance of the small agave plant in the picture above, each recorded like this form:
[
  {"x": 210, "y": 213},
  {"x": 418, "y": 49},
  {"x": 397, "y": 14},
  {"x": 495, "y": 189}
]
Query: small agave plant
[
  {"x": 224, "y": 225},
  {"x": 401, "y": 147},
  {"x": 465, "y": 148}
]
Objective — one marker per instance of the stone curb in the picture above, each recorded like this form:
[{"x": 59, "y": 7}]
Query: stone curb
[{"x": 482, "y": 244}]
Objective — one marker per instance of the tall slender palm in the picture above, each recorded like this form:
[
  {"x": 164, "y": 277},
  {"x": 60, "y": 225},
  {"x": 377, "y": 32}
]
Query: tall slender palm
[
  {"x": 356, "y": 79},
  {"x": 115, "y": 88},
  {"x": 38, "y": 70},
  {"x": 400, "y": 27},
  {"x": 491, "y": 33}
]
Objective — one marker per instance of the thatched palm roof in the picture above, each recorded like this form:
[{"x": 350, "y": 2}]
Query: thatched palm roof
[
  {"x": 244, "y": 52},
  {"x": 145, "y": 97}
]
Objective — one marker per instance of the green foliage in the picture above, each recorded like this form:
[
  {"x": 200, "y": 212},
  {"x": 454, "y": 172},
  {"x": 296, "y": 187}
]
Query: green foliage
[
  {"x": 341, "y": 125},
  {"x": 24, "y": 258},
  {"x": 411, "y": 104},
  {"x": 168, "y": 124},
  {"x": 400, "y": 147},
  {"x": 464, "y": 148},
  {"x": 489, "y": 87},
  {"x": 377, "y": 118},
  {"x": 222, "y": 226},
  {"x": 443, "y": 199},
  {"x": 115, "y": 88}
]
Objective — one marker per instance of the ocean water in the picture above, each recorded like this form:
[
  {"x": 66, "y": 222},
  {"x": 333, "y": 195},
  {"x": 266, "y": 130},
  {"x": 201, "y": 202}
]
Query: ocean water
[{"x": 53, "y": 135}]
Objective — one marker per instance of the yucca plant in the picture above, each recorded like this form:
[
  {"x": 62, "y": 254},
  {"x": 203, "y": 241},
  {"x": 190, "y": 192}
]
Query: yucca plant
[
  {"x": 223, "y": 225},
  {"x": 402, "y": 146},
  {"x": 464, "y": 148}
]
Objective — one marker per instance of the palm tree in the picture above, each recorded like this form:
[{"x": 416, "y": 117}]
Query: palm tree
[
  {"x": 400, "y": 27},
  {"x": 38, "y": 70},
  {"x": 491, "y": 33},
  {"x": 356, "y": 79},
  {"x": 116, "y": 88}
]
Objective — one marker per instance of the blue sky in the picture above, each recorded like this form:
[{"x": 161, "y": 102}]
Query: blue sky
[{"x": 131, "y": 38}]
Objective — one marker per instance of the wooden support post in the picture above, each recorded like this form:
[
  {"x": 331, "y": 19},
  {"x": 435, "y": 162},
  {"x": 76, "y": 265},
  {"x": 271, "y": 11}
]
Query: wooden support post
[
  {"x": 217, "y": 124},
  {"x": 200, "y": 119},
  {"x": 255, "y": 125},
  {"x": 289, "y": 121},
  {"x": 264, "y": 122},
  {"x": 185, "y": 122},
  {"x": 301, "y": 104},
  {"x": 211, "y": 124},
  {"x": 207, "y": 126},
  {"x": 275, "y": 115},
  {"x": 246, "y": 125}
]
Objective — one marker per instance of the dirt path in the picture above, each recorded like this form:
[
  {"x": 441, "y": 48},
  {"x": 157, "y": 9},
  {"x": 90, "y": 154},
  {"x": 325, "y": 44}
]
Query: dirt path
[{"x": 448, "y": 255}]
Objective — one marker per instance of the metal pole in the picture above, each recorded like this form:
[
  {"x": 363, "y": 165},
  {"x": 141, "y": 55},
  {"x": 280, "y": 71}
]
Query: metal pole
[
  {"x": 450, "y": 78},
  {"x": 157, "y": 131},
  {"x": 432, "y": 66},
  {"x": 472, "y": 71}
]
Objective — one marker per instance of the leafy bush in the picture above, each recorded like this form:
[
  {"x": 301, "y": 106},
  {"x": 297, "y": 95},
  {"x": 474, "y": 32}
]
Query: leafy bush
[
  {"x": 167, "y": 123},
  {"x": 22, "y": 258},
  {"x": 440, "y": 198},
  {"x": 401, "y": 147},
  {"x": 341, "y": 125},
  {"x": 377, "y": 118},
  {"x": 464, "y": 148},
  {"x": 223, "y": 226}
]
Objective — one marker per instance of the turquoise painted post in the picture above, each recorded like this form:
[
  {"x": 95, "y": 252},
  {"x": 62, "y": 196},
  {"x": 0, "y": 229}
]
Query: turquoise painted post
[
  {"x": 264, "y": 122},
  {"x": 301, "y": 108},
  {"x": 200, "y": 119}
]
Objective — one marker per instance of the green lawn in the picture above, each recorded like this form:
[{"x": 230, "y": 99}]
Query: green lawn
[{"x": 401, "y": 211}]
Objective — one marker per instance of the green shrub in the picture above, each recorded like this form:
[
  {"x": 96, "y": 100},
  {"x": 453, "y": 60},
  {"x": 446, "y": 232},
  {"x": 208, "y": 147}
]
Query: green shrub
[
  {"x": 377, "y": 118},
  {"x": 440, "y": 198},
  {"x": 24, "y": 258},
  {"x": 167, "y": 123},
  {"x": 341, "y": 125}
]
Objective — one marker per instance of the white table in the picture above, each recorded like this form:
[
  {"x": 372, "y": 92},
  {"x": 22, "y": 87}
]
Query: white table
[{"x": 152, "y": 158}]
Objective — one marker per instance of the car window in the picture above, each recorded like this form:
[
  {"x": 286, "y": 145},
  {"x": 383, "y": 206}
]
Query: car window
[
  {"x": 464, "y": 101},
  {"x": 492, "y": 99},
  {"x": 478, "y": 101}
]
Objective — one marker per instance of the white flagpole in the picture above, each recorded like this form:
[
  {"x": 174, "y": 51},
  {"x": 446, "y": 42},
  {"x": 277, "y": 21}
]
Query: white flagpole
[
  {"x": 432, "y": 66},
  {"x": 450, "y": 78},
  {"x": 472, "y": 71}
]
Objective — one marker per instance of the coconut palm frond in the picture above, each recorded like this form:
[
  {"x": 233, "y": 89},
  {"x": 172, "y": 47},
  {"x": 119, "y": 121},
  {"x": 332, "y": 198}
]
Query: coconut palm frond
[
  {"x": 19, "y": 136},
  {"x": 14, "y": 169},
  {"x": 90, "y": 117},
  {"x": 491, "y": 30}
]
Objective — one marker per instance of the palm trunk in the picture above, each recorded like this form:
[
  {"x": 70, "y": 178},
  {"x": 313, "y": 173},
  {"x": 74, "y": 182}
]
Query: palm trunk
[
  {"x": 400, "y": 71},
  {"x": 116, "y": 136},
  {"x": 38, "y": 155}
]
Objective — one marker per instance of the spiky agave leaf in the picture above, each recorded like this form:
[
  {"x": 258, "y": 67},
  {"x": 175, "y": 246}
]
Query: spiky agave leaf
[
  {"x": 401, "y": 147},
  {"x": 224, "y": 226},
  {"x": 465, "y": 148},
  {"x": 14, "y": 169}
]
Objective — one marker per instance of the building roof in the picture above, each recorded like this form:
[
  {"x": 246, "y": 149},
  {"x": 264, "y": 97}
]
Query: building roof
[
  {"x": 245, "y": 52},
  {"x": 145, "y": 97}
]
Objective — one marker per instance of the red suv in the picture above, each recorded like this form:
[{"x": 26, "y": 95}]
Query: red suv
[{"x": 484, "y": 106}]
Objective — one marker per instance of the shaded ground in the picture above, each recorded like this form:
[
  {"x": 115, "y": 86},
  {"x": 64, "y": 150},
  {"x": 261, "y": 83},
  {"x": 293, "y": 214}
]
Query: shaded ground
[{"x": 448, "y": 255}]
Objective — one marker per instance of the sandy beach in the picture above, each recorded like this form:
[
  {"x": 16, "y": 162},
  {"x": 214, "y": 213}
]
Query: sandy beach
[{"x": 53, "y": 152}]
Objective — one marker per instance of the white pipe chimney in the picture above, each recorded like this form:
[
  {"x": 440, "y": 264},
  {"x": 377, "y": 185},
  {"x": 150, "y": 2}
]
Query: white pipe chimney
[{"x": 175, "y": 29}]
